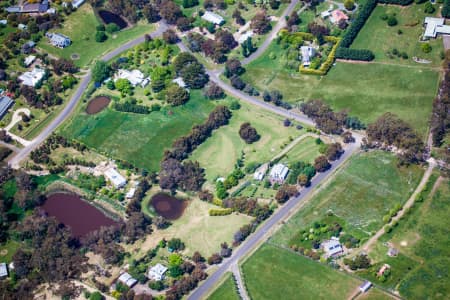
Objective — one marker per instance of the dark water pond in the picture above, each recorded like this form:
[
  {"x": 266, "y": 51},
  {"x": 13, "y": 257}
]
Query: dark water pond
[
  {"x": 109, "y": 17},
  {"x": 75, "y": 213},
  {"x": 168, "y": 206}
]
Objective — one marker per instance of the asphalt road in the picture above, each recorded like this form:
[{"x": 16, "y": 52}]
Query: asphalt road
[
  {"x": 261, "y": 233},
  {"x": 65, "y": 113}
]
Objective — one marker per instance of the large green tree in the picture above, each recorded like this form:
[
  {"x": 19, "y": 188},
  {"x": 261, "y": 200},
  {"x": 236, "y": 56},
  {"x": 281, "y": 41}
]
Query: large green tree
[{"x": 101, "y": 71}]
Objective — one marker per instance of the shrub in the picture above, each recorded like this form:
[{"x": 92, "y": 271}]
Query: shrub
[
  {"x": 426, "y": 48},
  {"x": 100, "y": 36},
  {"x": 220, "y": 212},
  {"x": 392, "y": 21},
  {"x": 349, "y": 4},
  {"x": 112, "y": 27},
  {"x": 429, "y": 8}
]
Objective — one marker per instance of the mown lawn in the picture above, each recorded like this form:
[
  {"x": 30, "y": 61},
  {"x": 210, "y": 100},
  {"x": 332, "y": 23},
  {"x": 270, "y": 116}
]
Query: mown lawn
[
  {"x": 219, "y": 153},
  {"x": 368, "y": 186},
  {"x": 226, "y": 291},
  {"x": 366, "y": 90},
  {"x": 80, "y": 26},
  {"x": 137, "y": 138},
  {"x": 7, "y": 251},
  {"x": 274, "y": 273},
  {"x": 381, "y": 39},
  {"x": 306, "y": 150}
]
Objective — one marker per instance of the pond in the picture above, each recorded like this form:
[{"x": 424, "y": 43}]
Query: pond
[
  {"x": 168, "y": 206},
  {"x": 109, "y": 17},
  {"x": 76, "y": 213},
  {"x": 97, "y": 104}
]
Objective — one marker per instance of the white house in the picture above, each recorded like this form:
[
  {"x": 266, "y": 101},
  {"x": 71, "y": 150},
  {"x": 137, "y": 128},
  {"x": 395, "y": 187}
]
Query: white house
[
  {"x": 58, "y": 40},
  {"x": 213, "y": 18},
  {"x": 435, "y": 26},
  {"x": 278, "y": 173},
  {"x": 29, "y": 60},
  {"x": 31, "y": 78},
  {"x": 3, "y": 270},
  {"x": 135, "y": 77},
  {"x": 157, "y": 272},
  {"x": 115, "y": 178},
  {"x": 332, "y": 247},
  {"x": 307, "y": 52},
  {"x": 127, "y": 279},
  {"x": 180, "y": 82}
]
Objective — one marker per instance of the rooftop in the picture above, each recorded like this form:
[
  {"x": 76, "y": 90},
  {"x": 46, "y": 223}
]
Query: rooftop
[
  {"x": 279, "y": 172},
  {"x": 435, "y": 26},
  {"x": 116, "y": 179},
  {"x": 127, "y": 279},
  {"x": 213, "y": 18},
  {"x": 3, "y": 270},
  {"x": 31, "y": 78},
  {"x": 5, "y": 104}
]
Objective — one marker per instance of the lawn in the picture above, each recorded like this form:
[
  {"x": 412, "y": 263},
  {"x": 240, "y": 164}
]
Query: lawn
[
  {"x": 7, "y": 251},
  {"x": 381, "y": 39},
  {"x": 219, "y": 153},
  {"x": 366, "y": 90},
  {"x": 368, "y": 186},
  {"x": 137, "y": 138},
  {"x": 306, "y": 150},
  {"x": 226, "y": 291},
  {"x": 271, "y": 272},
  {"x": 80, "y": 26}
]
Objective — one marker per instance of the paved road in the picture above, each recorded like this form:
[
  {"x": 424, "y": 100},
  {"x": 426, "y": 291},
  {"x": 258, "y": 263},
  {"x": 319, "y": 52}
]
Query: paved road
[
  {"x": 261, "y": 233},
  {"x": 65, "y": 113}
]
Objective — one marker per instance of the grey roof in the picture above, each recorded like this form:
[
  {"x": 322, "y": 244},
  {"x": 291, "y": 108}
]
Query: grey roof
[{"x": 5, "y": 104}]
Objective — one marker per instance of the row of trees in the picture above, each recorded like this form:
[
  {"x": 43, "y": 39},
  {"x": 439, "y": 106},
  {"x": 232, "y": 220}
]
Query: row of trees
[
  {"x": 440, "y": 118},
  {"x": 216, "y": 49}
]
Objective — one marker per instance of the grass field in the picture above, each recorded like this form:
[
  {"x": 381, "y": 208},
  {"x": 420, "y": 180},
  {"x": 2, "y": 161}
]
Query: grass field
[
  {"x": 380, "y": 38},
  {"x": 80, "y": 27},
  {"x": 307, "y": 150},
  {"x": 7, "y": 251},
  {"x": 366, "y": 90},
  {"x": 139, "y": 139},
  {"x": 226, "y": 291},
  {"x": 219, "y": 153},
  {"x": 272, "y": 272},
  {"x": 361, "y": 194}
]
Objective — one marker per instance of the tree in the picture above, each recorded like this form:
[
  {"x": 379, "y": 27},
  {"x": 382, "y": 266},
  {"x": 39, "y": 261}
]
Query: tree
[
  {"x": 349, "y": 4},
  {"x": 392, "y": 21},
  {"x": 426, "y": 47},
  {"x": 233, "y": 67},
  {"x": 175, "y": 244},
  {"x": 123, "y": 86},
  {"x": 197, "y": 257},
  {"x": 302, "y": 180},
  {"x": 285, "y": 192},
  {"x": 238, "y": 17},
  {"x": 237, "y": 82},
  {"x": 151, "y": 13},
  {"x": 214, "y": 259},
  {"x": 176, "y": 95},
  {"x": 112, "y": 27},
  {"x": 293, "y": 19},
  {"x": 170, "y": 11},
  {"x": 347, "y": 137},
  {"x": 100, "y": 36},
  {"x": 101, "y": 71},
  {"x": 96, "y": 296},
  {"x": 321, "y": 164},
  {"x": 213, "y": 91},
  {"x": 194, "y": 75},
  {"x": 260, "y": 23},
  {"x": 248, "y": 133},
  {"x": 170, "y": 37},
  {"x": 175, "y": 259},
  {"x": 334, "y": 151},
  {"x": 183, "y": 24},
  {"x": 316, "y": 29}
]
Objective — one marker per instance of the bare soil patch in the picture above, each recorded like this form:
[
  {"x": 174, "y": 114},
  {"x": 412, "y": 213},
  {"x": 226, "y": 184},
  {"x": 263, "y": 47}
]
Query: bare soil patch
[
  {"x": 97, "y": 104},
  {"x": 168, "y": 206}
]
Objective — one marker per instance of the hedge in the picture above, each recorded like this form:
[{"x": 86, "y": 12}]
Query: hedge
[
  {"x": 220, "y": 212},
  {"x": 355, "y": 54},
  {"x": 326, "y": 66},
  {"x": 396, "y": 2},
  {"x": 446, "y": 9},
  {"x": 358, "y": 23}
]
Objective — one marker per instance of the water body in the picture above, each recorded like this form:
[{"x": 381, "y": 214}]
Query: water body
[
  {"x": 168, "y": 206},
  {"x": 109, "y": 17},
  {"x": 76, "y": 213}
]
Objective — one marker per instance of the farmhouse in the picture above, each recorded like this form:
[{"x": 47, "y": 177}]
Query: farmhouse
[
  {"x": 28, "y": 7},
  {"x": 338, "y": 16},
  {"x": 157, "y": 272},
  {"x": 278, "y": 173},
  {"x": 31, "y": 78},
  {"x": 135, "y": 77},
  {"x": 213, "y": 18},
  {"x": 115, "y": 178},
  {"x": 332, "y": 247},
  {"x": 29, "y": 60},
  {"x": 58, "y": 40},
  {"x": 365, "y": 286},
  {"x": 5, "y": 104},
  {"x": 127, "y": 279},
  {"x": 435, "y": 26},
  {"x": 307, "y": 52},
  {"x": 3, "y": 271}
]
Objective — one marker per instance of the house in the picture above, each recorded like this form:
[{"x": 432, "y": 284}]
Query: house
[
  {"x": 308, "y": 53},
  {"x": 332, "y": 247},
  {"x": 392, "y": 252},
  {"x": 383, "y": 269},
  {"x": 58, "y": 40},
  {"x": 245, "y": 36},
  {"x": 157, "y": 272},
  {"x": 22, "y": 26},
  {"x": 365, "y": 286},
  {"x": 4, "y": 22},
  {"x": 27, "y": 7},
  {"x": 5, "y": 104},
  {"x": 127, "y": 280},
  {"x": 29, "y": 60},
  {"x": 278, "y": 173},
  {"x": 435, "y": 26},
  {"x": 213, "y": 18},
  {"x": 77, "y": 3},
  {"x": 115, "y": 178},
  {"x": 130, "y": 193},
  {"x": 338, "y": 16},
  {"x": 180, "y": 82},
  {"x": 260, "y": 172},
  {"x": 135, "y": 77},
  {"x": 31, "y": 78},
  {"x": 3, "y": 271}
]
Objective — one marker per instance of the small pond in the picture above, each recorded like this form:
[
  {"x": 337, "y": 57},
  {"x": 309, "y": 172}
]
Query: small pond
[
  {"x": 76, "y": 213},
  {"x": 109, "y": 17},
  {"x": 97, "y": 104},
  {"x": 168, "y": 206}
]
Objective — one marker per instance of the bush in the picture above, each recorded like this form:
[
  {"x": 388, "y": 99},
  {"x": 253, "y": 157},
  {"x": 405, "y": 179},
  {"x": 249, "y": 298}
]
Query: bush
[
  {"x": 349, "y": 4},
  {"x": 429, "y": 8},
  {"x": 100, "y": 36},
  {"x": 220, "y": 212},
  {"x": 392, "y": 21},
  {"x": 426, "y": 48},
  {"x": 112, "y": 27}
]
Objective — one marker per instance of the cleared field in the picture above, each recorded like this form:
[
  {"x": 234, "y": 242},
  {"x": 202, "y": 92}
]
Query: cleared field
[
  {"x": 381, "y": 39},
  {"x": 219, "y": 153},
  {"x": 366, "y": 90},
  {"x": 307, "y": 150},
  {"x": 271, "y": 273},
  {"x": 136, "y": 138},
  {"x": 226, "y": 291},
  {"x": 361, "y": 194},
  {"x": 80, "y": 27}
]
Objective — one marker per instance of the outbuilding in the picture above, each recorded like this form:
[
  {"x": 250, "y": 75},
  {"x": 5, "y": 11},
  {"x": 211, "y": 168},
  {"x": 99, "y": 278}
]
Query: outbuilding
[
  {"x": 127, "y": 280},
  {"x": 115, "y": 178},
  {"x": 5, "y": 104},
  {"x": 365, "y": 286},
  {"x": 3, "y": 271},
  {"x": 213, "y": 18}
]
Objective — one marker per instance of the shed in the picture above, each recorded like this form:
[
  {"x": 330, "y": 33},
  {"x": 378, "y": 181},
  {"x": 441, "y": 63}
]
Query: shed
[
  {"x": 157, "y": 272},
  {"x": 127, "y": 279},
  {"x": 130, "y": 193},
  {"x": 5, "y": 104},
  {"x": 4, "y": 22},
  {"x": 3, "y": 270},
  {"x": 29, "y": 60},
  {"x": 365, "y": 286},
  {"x": 22, "y": 26},
  {"x": 245, "y": 36},
  {"x": 213, "y": 18},
  {"x": 308, "y": 52},
  {"x": 115, "y": 178}
]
